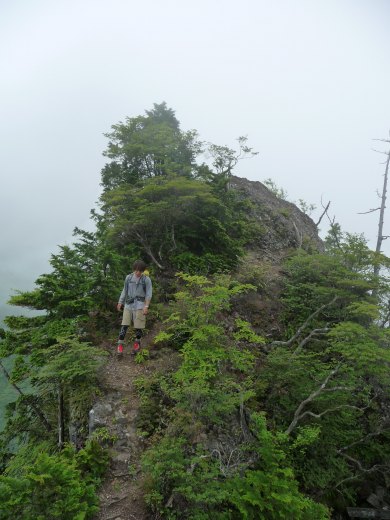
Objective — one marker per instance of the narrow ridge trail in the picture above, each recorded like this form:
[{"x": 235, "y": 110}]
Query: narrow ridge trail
[{"x": 121, "y": 494}]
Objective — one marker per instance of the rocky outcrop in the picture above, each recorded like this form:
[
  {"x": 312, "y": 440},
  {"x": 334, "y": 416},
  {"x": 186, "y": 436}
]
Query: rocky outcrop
[{"x": 280, "y": 225}]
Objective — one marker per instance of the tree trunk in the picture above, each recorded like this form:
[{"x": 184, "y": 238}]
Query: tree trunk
[
  {"x": 61, "y": 419},
  {"x": 381, "y": 215}
]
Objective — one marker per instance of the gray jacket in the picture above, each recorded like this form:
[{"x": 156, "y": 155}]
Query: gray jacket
[{"x": 135, "y": 292}]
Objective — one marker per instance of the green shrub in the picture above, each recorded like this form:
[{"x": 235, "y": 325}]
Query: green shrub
[{"x": 51, "y": 488}]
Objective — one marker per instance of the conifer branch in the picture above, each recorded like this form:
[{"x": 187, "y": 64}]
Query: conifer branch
[{"x": 37, "y": 411}]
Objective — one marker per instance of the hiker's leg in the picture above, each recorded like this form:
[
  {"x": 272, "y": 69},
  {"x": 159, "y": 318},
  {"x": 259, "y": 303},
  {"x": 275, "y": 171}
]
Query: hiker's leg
[
  {"x": 139, "y": 325},
  {"x": 122, "y": 332},
  {"x": 126, "y": 321}
]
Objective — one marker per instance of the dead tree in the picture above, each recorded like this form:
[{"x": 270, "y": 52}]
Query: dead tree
[{"x": 381, "y": 237}]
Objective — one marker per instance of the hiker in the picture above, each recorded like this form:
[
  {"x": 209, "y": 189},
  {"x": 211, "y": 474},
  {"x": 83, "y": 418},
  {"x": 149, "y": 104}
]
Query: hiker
[{"x": 134, "y": 300}]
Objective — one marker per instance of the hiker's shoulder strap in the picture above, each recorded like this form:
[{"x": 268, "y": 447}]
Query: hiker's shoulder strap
[{"x": 129, "y": 277}]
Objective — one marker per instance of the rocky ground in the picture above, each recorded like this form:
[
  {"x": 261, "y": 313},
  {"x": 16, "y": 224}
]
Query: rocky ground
[{"x": 121, "y": 495}]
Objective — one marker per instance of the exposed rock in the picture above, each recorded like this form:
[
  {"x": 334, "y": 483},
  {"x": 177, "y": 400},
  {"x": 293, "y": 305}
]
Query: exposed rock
[
  {"x": 282, "y": 225},
  {"x": 98, "y": 416}
]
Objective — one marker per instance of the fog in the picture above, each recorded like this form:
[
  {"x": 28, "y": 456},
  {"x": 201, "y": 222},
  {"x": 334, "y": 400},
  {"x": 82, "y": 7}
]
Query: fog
[{"x": 307, "y": 82}]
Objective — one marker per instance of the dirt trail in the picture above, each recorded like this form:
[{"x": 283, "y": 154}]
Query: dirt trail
[{"x": 121, "y": 495}]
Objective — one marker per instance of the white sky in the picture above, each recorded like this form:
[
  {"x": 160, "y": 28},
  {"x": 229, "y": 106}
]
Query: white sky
[{"x": 307, "y": 80}]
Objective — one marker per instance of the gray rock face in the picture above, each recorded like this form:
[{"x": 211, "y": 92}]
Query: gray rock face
[
  {"x": 281, "y": 225},
  {"x": 98, "y": 416}
]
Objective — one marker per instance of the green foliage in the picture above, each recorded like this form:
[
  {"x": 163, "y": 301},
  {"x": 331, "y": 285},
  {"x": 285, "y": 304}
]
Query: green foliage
[
  {"x": 196, "y": 480},
  {"x": 52, "y": 487},
  {"x": 245, "y": 332},
  {"x": 142, "y": 356},
  {"x": 204, "y": 264},
  {"x": 270, "y": 490},
  {"x": 314, "y": 280},
  {"x": 50, "y": 364},
  {"x": 326, "y": 390},
  {"x": 208, "y": 352},
  {"x": 155, "y": 403},
  {"x": 190, "y": 479},
  {"x": 280, "y": 193},
  {"x": 103, "y": 437},
  {"x": 149, "y": 146},
  {"x": 224, "y": 160},
  {"x": 92, "y": 461},
  {"x": 306, "y": 207},
  {"x": 235, "y": 479},
  {"x": 70, "y": 362},
  {"x": 174, "y": 220}
]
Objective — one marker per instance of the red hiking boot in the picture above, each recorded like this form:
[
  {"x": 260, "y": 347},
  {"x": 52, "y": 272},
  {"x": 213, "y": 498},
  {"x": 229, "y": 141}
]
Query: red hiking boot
[
  {"x": 136, "y": 347},
  {"x": 120, "y": 349}
]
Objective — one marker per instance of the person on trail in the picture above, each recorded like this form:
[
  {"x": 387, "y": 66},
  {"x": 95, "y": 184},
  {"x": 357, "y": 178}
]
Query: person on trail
[{"x": 134, "y": 300}]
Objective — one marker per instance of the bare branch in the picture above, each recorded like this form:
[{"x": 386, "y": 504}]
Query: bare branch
[
  {"x": 382, "y": 140},
  {"x": 338, "y": 388},
  {"x": 376, "y": 467},
  {"x": 363, "y": 439},
  {"x": 331, "y": 222},
  {"x": 302, "y": 327},
  {"x": 379, "y": 151},
  {"x": 173, "y": 240},
  {"x": 313, "y": 333},
  {"x": 298, "y": 412},
  {"x": 369, "y": 211},
  {"x": 148, "y": 250},
  {"x": 328, "y": 410},
  {"x": 323, "y": 213}
]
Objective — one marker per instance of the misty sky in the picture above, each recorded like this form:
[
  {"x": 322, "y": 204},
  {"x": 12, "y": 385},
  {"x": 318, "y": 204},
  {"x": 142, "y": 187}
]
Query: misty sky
[{"x": 307, "y": 80}]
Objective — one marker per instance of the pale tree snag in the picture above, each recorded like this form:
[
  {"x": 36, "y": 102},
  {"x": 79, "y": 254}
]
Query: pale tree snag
[{"x": 381, "y": 237}]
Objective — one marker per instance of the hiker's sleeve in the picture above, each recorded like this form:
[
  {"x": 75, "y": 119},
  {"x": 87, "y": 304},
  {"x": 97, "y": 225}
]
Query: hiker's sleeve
[
  {"x": 148, "y": 288},
  {"x": 123, "y": 294}
]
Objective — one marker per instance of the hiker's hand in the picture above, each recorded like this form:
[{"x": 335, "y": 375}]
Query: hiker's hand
[
  {"x": 119, "y": 307},
  {"x": 146, "y": 310}
]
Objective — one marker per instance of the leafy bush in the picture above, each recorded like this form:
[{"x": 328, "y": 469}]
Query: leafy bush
[{"x": 51, "y": 488}]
